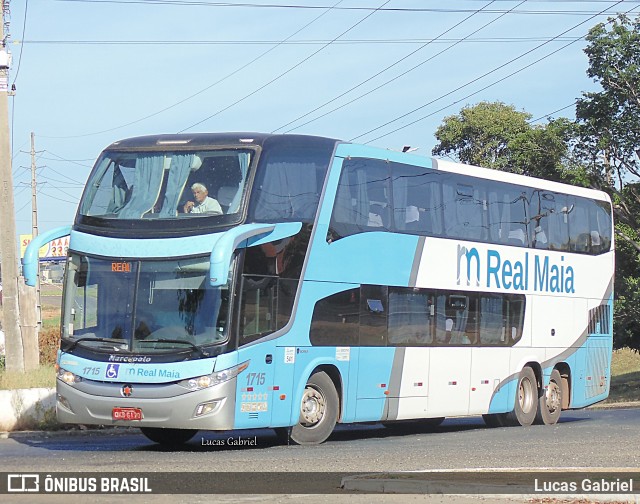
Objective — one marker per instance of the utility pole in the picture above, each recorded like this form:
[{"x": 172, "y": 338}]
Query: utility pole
[
  {"x": 34, "y": 225},
  {"x": 14, "y": 351}
]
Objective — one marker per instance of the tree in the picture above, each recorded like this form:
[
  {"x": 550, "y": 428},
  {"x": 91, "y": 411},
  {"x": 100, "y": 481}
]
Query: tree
[
  {"x": 480, "y": 135},
  {"x": 495, "y": 135},
  {"x": 608, "y": 124},
  {"x": 609, "y": 120}
]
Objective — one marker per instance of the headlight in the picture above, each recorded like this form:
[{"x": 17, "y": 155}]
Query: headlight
[
  {"x": 211, "y": 380},
  {"x": 68, "y": 377}
]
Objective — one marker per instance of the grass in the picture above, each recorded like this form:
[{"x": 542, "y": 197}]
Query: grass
[
  {"x": 43, "y": 377},
  {"x": 625, "y": 377},
  {"x": 50, "y": 317}
]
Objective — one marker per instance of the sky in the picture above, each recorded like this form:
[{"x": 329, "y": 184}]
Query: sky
[{"x": 380, "y": 72}]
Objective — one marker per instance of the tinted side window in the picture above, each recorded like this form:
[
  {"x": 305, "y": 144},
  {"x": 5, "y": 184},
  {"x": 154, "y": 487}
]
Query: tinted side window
[
  {"x": 336, "y": 319},
  {"x": 376, "y": 195},
  {"x": 373, "y": 315},
  {"x": 363, "y": 199},
  {"x": 376, "y": 315},
  {"x": 471, "y": 206},
  {"x": 417, "y": 199},
  {"x": 411, "y": 317},
  {"x": 548, "y": 221},
  {"x": 288, "y": 184},
  {"x": 579, "y": 228},
  {"x": 600, "y": 223}
]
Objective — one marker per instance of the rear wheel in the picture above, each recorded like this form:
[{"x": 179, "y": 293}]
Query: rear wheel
[
  {"x": 550, "y": 403},
  {"x": 526, "y": 405},
  {"x": 318, "y": 411},
  {"x": 168, "y": 437}
]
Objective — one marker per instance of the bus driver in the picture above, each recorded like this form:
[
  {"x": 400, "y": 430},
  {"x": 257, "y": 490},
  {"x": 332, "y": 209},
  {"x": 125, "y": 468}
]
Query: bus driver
[{"x": 203, "y": 203}]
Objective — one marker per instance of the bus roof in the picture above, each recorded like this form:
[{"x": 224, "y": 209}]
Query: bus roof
[{"x": 199, "y": 140}]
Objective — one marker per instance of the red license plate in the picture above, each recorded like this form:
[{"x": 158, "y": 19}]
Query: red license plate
[{"x": 126, "y": 414}]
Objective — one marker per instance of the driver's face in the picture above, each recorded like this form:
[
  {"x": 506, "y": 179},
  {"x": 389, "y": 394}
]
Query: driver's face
[{"x": 200, "y": 195}]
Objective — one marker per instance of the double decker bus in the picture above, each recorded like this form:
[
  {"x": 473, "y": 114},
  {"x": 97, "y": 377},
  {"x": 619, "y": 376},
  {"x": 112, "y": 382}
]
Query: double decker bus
[{"x": 326, "y": 283}]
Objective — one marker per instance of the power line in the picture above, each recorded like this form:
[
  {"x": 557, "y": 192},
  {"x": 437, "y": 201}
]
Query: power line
[
  {"x": 290, "y": 69},
  {"x": 482, "y": 40},
  {"x": 24, "y": 29},
  {"x": 74, "y": 161},
  {"x": 196, "y": 3},
  {"x": 60, "y": 199},
  {"x": 387, "y": 68},
  {"x": 475, "y": 80},
  {"x": 551, "y": 113},
  {"x": 76, "y": 184},
  {"x": 211, "y": 85}
]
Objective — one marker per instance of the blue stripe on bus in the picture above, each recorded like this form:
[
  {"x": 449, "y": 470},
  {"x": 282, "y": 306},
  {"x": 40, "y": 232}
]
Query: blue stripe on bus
[
  {"x": 147, "y": 248},
  {"x": 364, "y": 151},
  {"x": 365, "y": 258},
  {"x": 139, "y": 372}
]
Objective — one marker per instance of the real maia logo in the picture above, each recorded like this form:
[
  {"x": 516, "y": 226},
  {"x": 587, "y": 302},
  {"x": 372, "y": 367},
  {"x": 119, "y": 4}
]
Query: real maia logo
[{"x": 544, "y": 273}]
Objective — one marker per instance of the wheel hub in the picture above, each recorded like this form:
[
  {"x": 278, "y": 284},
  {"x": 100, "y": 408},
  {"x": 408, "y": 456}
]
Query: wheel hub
[
  {"x": 312, "y": 407},
  {"x": 553, "y": 397},
  {"x": 525, "y": 395}
]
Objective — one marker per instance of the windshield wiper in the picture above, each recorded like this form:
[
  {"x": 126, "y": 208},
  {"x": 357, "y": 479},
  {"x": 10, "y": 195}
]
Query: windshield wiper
[
  {"x": 102, "y": 340},
  {"x": 202, "y": 351}
]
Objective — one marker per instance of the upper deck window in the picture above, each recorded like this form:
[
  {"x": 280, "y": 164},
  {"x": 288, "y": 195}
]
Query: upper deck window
[
  {"x": 167, "y": 185},
  {"x": 289, "y": 180},
  {"x": 377, "y": 195}
]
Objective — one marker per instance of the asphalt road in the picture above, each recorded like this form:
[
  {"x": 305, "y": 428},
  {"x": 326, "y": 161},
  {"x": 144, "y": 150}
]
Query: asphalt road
[
  {"x": 593, "y": 438},
  {"x": 589, "y": 439}
]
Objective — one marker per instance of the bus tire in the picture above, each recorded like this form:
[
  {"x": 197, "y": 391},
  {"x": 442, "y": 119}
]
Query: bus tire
[
  {"x": 550, "y": 403},
  {"x": 526, "y": 404},
  {"x": 318, "y": 411},
  {"x": 168, "y": 437}
]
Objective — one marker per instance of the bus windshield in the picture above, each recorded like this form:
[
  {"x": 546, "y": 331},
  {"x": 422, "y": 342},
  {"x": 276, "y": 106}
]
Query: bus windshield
[
  {"x": 166, "y": 184},
  {"x": 143, "y": 306}
]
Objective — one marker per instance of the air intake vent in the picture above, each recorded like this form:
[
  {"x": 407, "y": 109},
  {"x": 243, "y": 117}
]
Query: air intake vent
[{"x": 599, "y": 320}]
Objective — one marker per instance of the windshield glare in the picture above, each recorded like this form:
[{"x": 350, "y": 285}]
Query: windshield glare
[
  {"x": 143, "y": 306},
  {"x": 167, "y": 185}
]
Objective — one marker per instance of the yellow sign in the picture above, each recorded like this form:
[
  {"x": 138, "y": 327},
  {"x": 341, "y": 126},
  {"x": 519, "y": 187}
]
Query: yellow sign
[{"x": 55, "y": 249}]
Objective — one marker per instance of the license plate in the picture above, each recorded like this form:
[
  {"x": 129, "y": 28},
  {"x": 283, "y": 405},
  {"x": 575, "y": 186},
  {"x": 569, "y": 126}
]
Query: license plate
[{"x": 126, "y": 414}]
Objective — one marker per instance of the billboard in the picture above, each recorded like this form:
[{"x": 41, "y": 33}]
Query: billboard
[{"x": 55, "y": 250}]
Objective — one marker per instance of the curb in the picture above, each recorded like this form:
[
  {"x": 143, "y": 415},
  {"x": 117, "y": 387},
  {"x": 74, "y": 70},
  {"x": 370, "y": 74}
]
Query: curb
[{"x": 27, "y": 408}]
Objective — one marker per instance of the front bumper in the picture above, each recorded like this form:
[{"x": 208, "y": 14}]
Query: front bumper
[{"x": 162, "y": 405}]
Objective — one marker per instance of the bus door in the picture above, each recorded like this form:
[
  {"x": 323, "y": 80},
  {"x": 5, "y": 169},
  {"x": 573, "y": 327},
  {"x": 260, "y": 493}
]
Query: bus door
[
  {"x": 411, "y": 324},
  {"x": 257, "y": 319},
  {"x": 450, "y": 357},
  {"x": 375, "y": 359},
  {"x": 499, "y": 323}
]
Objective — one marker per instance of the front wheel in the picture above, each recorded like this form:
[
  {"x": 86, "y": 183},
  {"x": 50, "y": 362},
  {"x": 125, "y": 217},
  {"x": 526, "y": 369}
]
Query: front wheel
[
  {"x": 318, "y": 411},
  {"x": 168, "y": 437},
  {"x": 550, "y": 403},
  {"x": 526, "y": 405}
]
